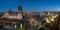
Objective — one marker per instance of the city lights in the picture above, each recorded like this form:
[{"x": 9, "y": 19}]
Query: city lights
[
  {"x": 31, "y": 20},
  {"x": 52, "y": 19},
  {"x": 47, "y": 20}
]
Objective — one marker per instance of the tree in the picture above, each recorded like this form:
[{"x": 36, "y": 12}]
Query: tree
[{"x": 0, "y": 15}]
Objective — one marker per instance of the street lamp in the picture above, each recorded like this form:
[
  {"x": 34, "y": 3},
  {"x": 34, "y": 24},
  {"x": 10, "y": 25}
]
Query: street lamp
[{"x": 15, "y": 26}]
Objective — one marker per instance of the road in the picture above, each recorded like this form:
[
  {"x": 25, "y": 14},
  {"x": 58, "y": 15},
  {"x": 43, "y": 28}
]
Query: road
[{"x": 56, "y": 25}]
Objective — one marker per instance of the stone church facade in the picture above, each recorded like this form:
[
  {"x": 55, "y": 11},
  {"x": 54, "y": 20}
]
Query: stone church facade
[{"x": 13, "y": 15}]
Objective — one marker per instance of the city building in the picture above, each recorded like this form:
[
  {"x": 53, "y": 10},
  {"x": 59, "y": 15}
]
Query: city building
[{"x": 13, "y": 15}]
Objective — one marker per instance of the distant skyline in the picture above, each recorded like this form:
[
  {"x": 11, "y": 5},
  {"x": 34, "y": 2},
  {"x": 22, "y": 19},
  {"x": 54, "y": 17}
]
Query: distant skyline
[{"x": 30, "y": 5}]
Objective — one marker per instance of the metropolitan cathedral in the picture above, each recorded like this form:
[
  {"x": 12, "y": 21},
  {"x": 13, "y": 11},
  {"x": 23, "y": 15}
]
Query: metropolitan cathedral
[{"x": 13, "y": 15}]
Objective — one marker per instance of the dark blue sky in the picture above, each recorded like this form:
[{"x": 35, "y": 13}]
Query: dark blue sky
[{"x": 30, "y": 5}]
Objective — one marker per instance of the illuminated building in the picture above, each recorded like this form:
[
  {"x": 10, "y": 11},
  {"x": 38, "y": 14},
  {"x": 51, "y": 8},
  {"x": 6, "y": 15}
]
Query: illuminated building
[{"x": 13, "y": 15}]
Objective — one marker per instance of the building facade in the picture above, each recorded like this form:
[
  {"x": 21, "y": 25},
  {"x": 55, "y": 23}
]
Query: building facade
[{"x": 13, "y": 15}]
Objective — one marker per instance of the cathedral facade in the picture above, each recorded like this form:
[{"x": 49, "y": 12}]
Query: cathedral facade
[{"x": 13, "y": 15}]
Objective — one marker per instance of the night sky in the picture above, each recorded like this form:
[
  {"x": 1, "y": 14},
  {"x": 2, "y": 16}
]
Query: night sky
[{"x": 30, "y": 5}]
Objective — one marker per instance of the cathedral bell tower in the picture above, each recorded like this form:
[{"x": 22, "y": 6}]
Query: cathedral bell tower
[{"x": 19, "y": 16}]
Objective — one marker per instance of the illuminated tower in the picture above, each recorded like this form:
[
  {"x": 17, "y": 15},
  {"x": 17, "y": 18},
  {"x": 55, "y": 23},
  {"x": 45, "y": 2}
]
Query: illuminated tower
[{"x": 19, "y": 16}]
